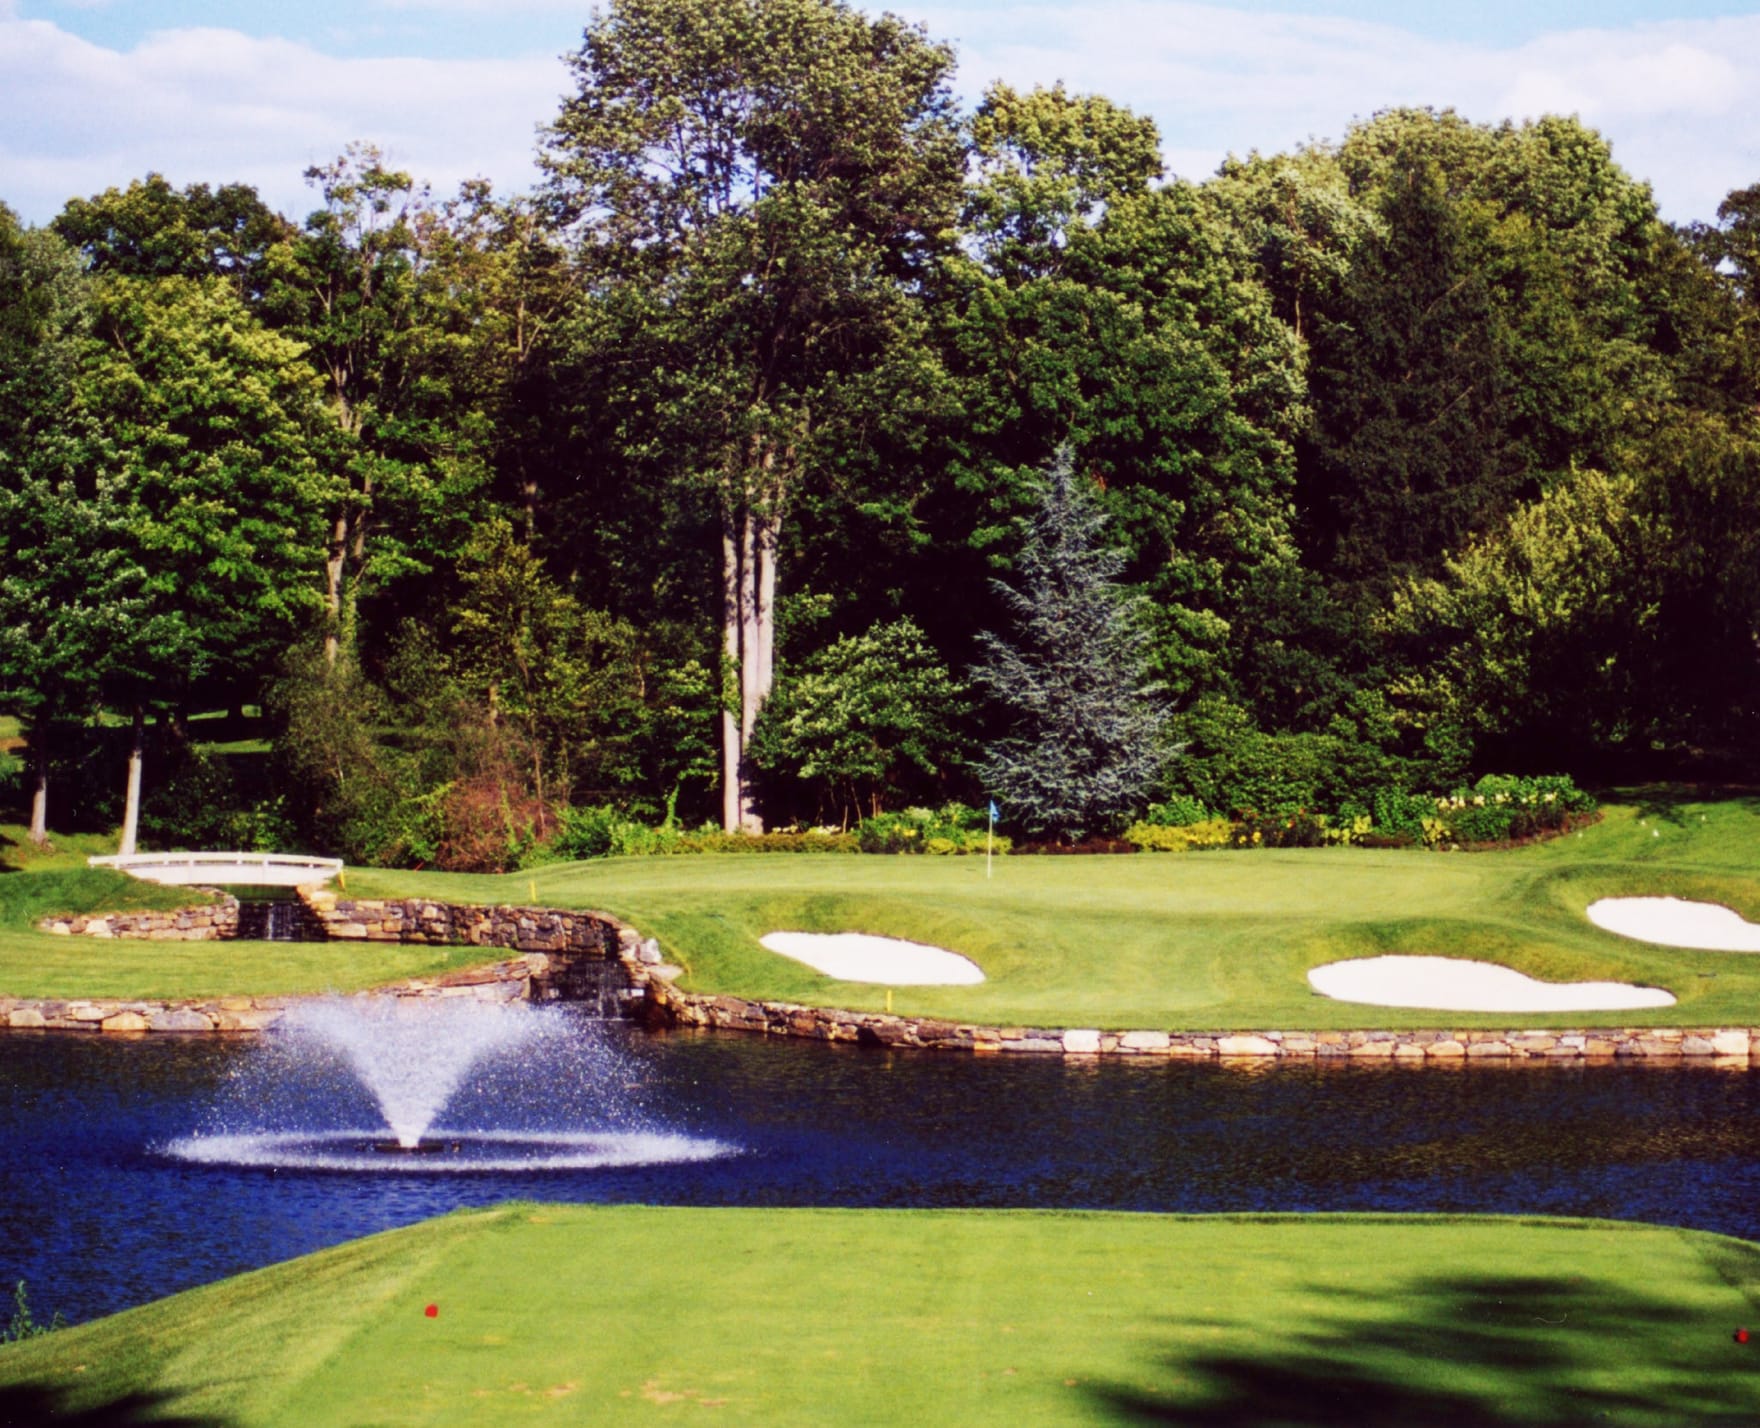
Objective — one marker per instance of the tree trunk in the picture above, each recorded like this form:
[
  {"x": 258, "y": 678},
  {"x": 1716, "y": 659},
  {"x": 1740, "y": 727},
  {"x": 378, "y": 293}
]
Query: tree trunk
[
  {"x": 731, "y": 748},
  {"x": 40, "y": 783},
  {"x": 750, "y": 675},
  {"x": 131, "y": 807},
  {"x": 768, "y": 531},
  {"x": 333, "y": 587}
]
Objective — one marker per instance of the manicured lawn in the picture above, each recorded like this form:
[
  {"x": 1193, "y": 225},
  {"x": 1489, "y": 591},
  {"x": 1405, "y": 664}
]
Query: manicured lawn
[
  {"x": 1181, "y": 941},
  {"x": 1192, "y": 941},
  {"x": 577, "y": 1314},
  {"x": 36, "y": 964}
]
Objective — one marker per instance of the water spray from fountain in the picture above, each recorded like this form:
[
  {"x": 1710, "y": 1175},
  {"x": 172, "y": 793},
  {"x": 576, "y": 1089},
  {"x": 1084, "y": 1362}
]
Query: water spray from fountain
[
  {"x": 413, "y": 1054},
  {"x": 459, "y": 1084}
]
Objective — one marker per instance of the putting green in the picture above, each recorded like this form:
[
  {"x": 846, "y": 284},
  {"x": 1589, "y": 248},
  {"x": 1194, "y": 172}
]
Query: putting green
[
  {"x": 1200, "y": 941},
  {"x": 573, "y": 1314}
]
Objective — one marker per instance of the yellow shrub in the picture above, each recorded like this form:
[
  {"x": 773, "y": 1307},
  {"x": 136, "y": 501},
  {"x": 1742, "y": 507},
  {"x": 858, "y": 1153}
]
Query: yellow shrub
[{"x": 1152, "y": 838}]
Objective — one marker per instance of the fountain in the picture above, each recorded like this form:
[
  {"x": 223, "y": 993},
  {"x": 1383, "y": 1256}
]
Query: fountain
[{"x": 458, "y": 1084}]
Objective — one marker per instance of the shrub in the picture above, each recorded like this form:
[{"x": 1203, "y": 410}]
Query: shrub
[
  {"x": 1502, "y": 808},
  {"x": 951, "y": 830},
  {"x": 800, "y": 840},
  {"x": 1179, "y": 811},
  {"x": 1397, "y": 814},
  {"x": 1300, "y": 829},
  {"x": 601, "y": 831},
  {"x": 23, "y": 1324},
  {"x": 1181, "y": 838}
]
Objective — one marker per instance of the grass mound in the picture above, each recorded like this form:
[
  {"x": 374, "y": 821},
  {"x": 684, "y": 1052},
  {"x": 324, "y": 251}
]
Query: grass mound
[
  {"x": 1196, "y": 941},
  {"x": 35, "y": 884},
  {"x": 635, "y": 1314}
]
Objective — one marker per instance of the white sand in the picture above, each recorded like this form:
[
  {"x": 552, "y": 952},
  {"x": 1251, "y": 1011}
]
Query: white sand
[
  {"x": 1674, "y": 922},
  {"x": 857, "y": 957},
  {"x": 1455, "y": 984}
]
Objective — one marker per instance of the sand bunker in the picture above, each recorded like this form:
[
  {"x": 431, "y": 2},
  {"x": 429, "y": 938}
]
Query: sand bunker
[
  {"x": 1674, "y": 922},
  {"x": 1453, "y": 984},
  {"x": 857, "y": 957}
]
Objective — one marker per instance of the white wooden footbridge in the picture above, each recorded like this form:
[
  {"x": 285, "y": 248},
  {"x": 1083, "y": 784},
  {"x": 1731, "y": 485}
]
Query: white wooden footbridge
[{"x": 221, "y": 869}]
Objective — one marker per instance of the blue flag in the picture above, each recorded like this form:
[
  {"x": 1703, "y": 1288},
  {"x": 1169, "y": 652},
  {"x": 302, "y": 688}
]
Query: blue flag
[{"x": 993, "y": 813}]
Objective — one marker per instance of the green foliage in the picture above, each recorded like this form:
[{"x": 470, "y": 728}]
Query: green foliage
[
  {"x": 1229, "y": 763},
  {"x": 1205, "y": 833},
  {"x": 604, "y": 832},
  {"x": 809, "y": 840},
  {"x": 1179, "y": 811},
  {"x": 1503, "y": 809},
  {"x": 23, "y": 1324},
  {"x": 601, "y": 831},
  {"x": 196, "y": 802},
  {"x": 952, "y": 829},
  {"x": 1084, "y": 743},
  {"x": 864, "y": 718}
]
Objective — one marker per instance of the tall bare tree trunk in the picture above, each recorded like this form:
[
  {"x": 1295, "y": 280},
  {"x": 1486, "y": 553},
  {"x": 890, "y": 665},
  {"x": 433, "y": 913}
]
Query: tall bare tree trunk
[
  {"x": 333, "y": 575},
  {"x": 749, "y": 673},
  {"x": 768, "y": 531},
  {"x": 731, "y": 748},
  {"x": 131, "y": 807},
  {"x": 40, "y": 782},
  {"x": 750, "y": 533}
]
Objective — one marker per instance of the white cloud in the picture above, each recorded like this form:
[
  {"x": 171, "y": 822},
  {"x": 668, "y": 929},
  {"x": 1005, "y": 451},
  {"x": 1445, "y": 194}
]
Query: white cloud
[
  {"x": 206, "y": 105},
  {"x": 1680, "y": 100}
]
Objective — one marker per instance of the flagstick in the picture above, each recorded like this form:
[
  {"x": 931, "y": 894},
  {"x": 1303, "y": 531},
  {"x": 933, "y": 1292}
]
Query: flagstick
[{"x": 989, "y": 845}]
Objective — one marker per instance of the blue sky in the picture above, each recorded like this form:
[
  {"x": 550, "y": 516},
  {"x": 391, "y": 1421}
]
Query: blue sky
[{"x": 100, "y": 91}]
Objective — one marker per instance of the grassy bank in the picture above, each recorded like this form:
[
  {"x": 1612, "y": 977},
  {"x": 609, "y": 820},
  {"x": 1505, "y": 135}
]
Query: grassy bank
[
  {"x": 557, "y": 1314},
  {"x": 1190, "y": 941},
  {"x": 37, "y": 884},
  {"x": 1186, "y": 941}
]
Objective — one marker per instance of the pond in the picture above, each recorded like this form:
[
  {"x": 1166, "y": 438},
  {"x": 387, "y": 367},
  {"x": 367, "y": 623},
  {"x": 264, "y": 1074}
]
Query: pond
[{"x": 97, "y": 1213}]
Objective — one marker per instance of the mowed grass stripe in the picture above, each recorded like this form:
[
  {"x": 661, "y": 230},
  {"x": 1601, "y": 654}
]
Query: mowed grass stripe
[
  {"x": 1212, "y": 941},
  {"x": 1195, "y": 941},
  {"x": 565, "y": 1314}
]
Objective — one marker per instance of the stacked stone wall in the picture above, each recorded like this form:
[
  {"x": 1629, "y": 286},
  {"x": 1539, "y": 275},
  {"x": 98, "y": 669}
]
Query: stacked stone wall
[
  {"x": 568, "y": 955},
  {"x": 1726, "y": 1045},
  {"x": 209, "y": 923}
]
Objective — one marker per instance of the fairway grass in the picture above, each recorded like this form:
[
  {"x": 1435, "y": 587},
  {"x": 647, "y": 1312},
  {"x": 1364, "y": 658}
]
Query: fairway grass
[
  {"x": 631, "y": 1314},
  {"x": 1197, "y": 941},
  {"x": 1184, "y": 942},
  {"x": 40, "y": 964}
]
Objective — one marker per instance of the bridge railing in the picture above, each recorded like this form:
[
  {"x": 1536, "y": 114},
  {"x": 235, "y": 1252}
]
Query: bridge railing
[{"x": 288, "y": 868}]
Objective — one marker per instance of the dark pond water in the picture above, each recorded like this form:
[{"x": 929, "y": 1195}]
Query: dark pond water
[{"x": 96, "y": 1215}]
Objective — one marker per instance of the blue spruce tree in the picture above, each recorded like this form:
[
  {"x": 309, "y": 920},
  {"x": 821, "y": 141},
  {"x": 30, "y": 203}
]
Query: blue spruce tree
[{"x": 1084, "y": 746}]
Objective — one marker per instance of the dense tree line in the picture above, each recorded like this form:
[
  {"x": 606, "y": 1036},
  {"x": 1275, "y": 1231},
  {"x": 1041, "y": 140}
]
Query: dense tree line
[{"x": 704, "y": 481}]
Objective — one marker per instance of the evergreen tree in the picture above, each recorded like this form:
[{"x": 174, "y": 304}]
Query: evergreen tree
[{"x": 1084, "y": 748}]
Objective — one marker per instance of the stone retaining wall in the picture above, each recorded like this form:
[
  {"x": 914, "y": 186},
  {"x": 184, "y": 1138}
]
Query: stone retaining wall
[
  {"x": 210, "y": 923},
  {"x": 565, "y": 955},
  {"x": 1730, "y": 1045}
]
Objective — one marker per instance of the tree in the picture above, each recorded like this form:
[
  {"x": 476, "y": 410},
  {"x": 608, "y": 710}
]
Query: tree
[
  {"x": 863, "y": 715},
  {"x": 407, "y": 448},
  {"x": 562, "y": 675},
  {"x": 1084, "y": 747},
  {"x": 762, "y": 185},
  {"x": 68, "y": 584},
  {"x": 151, "y": 230},
  {"x": 1492, "y": 331},
  {"x": 1129, "y": 320},
  {"x": 208, "y": 422}
]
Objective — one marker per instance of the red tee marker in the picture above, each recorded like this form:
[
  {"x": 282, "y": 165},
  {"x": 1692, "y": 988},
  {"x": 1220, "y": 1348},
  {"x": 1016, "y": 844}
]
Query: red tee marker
[
  {"x": 433, "y": 1312},
  {"x": 1741, "y": 1336}
]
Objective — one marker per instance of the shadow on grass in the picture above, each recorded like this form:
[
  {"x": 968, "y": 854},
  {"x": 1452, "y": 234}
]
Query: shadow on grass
[
  {"x": 33, "y": 1405},
  {"x": 1481, "y": 1351},
  {"x": 1666, "y": 802}
]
